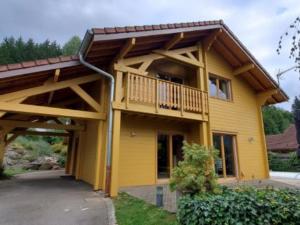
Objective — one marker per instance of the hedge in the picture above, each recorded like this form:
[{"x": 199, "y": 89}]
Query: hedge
[{"x": 241, "y": 206}]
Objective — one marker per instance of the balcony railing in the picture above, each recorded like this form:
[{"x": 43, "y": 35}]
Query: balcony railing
[{"x": 164, "y": 95}]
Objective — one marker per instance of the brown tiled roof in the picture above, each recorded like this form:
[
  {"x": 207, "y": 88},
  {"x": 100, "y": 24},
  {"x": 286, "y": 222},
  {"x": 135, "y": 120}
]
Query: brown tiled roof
[
  {"x": 283, "y": 142},
  {"x": 40, "y": 62},
  {"x": 127, "y": 29}
]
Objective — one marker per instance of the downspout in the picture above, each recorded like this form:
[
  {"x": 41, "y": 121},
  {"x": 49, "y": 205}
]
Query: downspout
[{"x": 84, "y": 45}]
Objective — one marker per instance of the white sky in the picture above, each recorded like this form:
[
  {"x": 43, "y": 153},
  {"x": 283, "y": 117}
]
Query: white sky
[{"x": 257, "y": 23}]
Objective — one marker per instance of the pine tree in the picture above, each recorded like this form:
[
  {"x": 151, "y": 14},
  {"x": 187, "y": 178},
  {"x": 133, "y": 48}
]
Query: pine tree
[{"x": 296, "y": 105}]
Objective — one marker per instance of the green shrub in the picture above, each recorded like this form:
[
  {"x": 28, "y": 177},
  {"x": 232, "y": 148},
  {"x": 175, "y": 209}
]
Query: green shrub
[
  {"x": 38, "y": 147},
  {"x": 289, "y": 163},
  {"x": 241, "y": 206},
  {"x": 60, "y": 148},
  {"x": 61, "y": 161},
  {"x": 195, "y": 174}
]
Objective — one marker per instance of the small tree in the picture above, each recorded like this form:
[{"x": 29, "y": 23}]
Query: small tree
[
  {"x": 195, "y": 174},
  {"x": 72, "y": 46}
]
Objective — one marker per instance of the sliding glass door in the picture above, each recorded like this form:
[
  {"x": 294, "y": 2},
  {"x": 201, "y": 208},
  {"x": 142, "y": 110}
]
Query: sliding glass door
[{"x": 226, "y": 164}]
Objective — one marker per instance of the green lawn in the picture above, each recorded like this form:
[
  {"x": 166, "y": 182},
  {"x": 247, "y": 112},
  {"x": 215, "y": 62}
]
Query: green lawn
[{"x": 133, "y": 211}]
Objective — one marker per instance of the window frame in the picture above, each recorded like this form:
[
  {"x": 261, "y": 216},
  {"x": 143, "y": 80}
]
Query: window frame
[
  {"x": 229, "y": 87},
  {"x": 223, "y": 157}
]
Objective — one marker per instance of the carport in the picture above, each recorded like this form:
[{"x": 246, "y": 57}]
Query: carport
[{"x": 36, "y": 94}]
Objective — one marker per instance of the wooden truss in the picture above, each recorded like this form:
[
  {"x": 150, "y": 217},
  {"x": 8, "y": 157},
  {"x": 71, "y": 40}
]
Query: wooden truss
[{"x": 12, "y": 102}]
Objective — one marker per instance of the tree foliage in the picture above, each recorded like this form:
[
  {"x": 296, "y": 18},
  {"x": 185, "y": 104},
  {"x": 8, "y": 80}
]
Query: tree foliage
[
  {"x": 292, "y": 36},
  {"x": 72, "y": 46},
  {"x": 276, "y": 120},
  {"x": 296, "y": 105},
  {"x": 17, "y": 50},
  {"x": 195, "y": 174}
]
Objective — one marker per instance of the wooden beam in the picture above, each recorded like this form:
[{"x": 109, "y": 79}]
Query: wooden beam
[
  {"x": 19, "y": 100},
  {"x": 262, "y": 97},
  {"x": 50, "y": 111},
  {"x": 176, "y": 39},
  {"x": 86, "y": 97},
  {"x": 124, "y": 68},
  {"x": 209, "y": 40},
  {"x": 125, "y": 49},
  {"x": 55, "y": 79},
  {"x": 27, "y": 124},
  {"x": 179, "y": 58},
  {"x": 40, "y": 133},
  {"x": 243, "y": 69},
  {"x": 48, "y": 87},
  {"x": 11, "y": 139}
]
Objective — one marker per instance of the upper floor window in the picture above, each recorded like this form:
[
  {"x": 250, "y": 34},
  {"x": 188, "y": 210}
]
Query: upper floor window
[{"x": 219, "y": 87}]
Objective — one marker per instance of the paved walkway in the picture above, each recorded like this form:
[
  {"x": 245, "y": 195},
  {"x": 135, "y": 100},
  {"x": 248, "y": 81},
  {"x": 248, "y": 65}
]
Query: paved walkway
[
  {"x": 286, "y": 177},
  {"x": 48, "y": 198}
]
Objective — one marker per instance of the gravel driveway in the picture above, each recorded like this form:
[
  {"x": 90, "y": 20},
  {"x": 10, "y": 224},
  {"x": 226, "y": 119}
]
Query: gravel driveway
[{"x": 48, "y": 198}]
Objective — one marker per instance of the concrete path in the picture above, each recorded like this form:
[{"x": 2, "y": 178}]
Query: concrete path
[
  {"x": 49, "y": 198},
  {"x": 286, "y": 177}
]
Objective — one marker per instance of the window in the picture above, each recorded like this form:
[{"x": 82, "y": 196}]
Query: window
[
  {"x": 219, "y": 87},
  {"x": 225, "y": 165}
]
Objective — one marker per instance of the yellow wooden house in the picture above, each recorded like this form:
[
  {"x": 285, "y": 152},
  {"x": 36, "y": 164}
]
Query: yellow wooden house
[{"x": 135, "y": 93}]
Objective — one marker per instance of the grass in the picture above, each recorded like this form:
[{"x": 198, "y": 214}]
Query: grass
[
  {"x": 133, "y": 211},
  {"x": 10, "y": 172}
]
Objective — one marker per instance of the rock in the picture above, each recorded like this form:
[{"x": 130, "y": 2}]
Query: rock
[
  {"x": 13, "y": 155},
  {"x": 31, "y": 166},
  {"x": 20, "y": 151},
  {"x": 46, "y": 166},
  {"x": 56, "y": 167}
]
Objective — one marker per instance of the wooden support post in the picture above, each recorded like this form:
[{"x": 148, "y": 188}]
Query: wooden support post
[
  {"x": 114, "y": 183},
  {"x": 2, "y": 147},
  {"x": 68, "y": 160},
  {"x": 72, "y": 155},
  {"x": 204, "y": 134},
  {"x": 97, "y": 184},
  {"x": 80, "y": 152},
  {"x": 118, "y": 88}
]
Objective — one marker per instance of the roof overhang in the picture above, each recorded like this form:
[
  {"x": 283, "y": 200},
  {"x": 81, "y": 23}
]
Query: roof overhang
[
  {"x": 104, "y": 44},
  {"x": 101, "y": 46}
]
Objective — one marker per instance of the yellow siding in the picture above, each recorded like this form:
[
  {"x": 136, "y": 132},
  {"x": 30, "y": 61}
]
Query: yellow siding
[
  {"x": 138, "y": 148},
  {"x": 240, "y": 117},
  {"x": 88, "y": 156}
]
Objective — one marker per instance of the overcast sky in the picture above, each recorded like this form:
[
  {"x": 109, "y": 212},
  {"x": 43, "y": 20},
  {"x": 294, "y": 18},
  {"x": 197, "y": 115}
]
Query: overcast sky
[{"x": 257, "y": 23}]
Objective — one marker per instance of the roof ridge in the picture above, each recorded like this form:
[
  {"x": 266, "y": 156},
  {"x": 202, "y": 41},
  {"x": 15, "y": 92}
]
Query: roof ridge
[{"x": 140, "y": 28}]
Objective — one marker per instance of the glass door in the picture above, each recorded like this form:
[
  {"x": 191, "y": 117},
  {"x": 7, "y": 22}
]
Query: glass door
[
  {"x": 169, "y": 153},
  {"x": 225, "y": 165}
]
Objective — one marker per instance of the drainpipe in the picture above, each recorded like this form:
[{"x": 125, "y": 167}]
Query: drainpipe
[{"x": 84, "y": 45}]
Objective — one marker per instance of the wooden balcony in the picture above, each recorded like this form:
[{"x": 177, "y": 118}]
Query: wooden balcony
[{"x": 154, "y": 96}]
